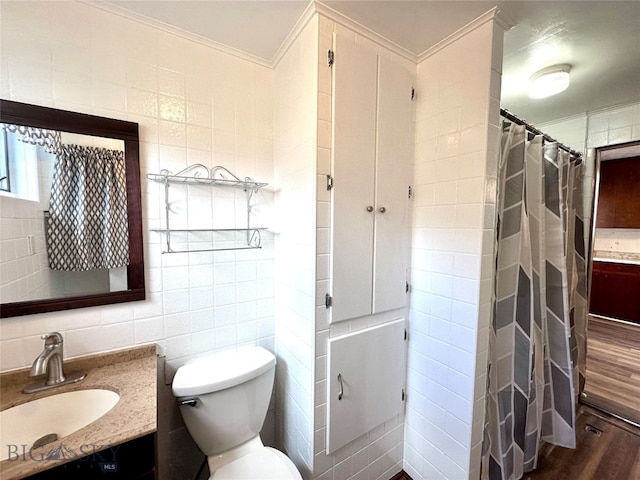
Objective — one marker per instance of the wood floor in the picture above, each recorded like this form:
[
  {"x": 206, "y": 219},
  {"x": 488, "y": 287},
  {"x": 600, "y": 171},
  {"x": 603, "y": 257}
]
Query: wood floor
[
  {"x": 613, "y": 368},
  {"x": 607, "y": 449}
]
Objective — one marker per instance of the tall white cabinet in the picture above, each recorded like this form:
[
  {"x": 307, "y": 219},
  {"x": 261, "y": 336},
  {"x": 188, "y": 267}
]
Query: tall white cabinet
[{"x": 371, "y": 160}]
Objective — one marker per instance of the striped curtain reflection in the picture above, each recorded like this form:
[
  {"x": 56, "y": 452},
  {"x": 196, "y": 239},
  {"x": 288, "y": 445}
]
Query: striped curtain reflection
[
  {"x": 537, "y": 345},
  {"x": 87, "y": 226}
]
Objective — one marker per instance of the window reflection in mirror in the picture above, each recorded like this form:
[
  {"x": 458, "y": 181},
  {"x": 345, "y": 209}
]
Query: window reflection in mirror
[
  {"x": 70, "y": 210},
  {"x": 5, "y": 184},
  {"x": 29, "y": 271}
]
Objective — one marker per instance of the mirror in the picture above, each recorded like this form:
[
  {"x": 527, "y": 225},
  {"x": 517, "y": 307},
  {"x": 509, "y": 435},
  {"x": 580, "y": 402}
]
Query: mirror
[{"x": 41, "y": 213}]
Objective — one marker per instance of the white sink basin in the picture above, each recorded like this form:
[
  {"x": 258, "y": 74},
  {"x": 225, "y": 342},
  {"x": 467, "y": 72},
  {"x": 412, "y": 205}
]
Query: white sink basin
[{"x": 60, "y": 414}]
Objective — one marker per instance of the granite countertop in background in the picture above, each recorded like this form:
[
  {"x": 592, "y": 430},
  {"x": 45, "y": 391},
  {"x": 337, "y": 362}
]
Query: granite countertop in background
[
  {"x": 131, "y": 373},
  {"x": 616, "y": 257}
]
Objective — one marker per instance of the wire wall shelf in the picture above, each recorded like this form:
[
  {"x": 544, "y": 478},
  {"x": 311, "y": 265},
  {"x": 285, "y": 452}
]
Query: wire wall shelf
[{"x": 198, "y": 174}]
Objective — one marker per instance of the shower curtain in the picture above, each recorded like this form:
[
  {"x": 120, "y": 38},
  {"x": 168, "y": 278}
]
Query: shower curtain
[
  {"x": 537, "y": 344},
  {"x": 87, "y": 226}
]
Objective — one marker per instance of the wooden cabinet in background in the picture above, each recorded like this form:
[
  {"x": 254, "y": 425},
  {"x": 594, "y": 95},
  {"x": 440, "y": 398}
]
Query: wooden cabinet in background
[
  {"x": 615, "y": 291},
  {"x": 619, "y": 195}
]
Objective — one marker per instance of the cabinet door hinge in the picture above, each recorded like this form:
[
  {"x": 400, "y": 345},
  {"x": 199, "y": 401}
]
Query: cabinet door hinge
[
  {"x": 413, "y": 93},
  {"x": 404, "y": 396},
  {"x": 410, "y": 191},
  {"x": 329, "y": 182},
  {"x": 328, "y": 301},
  {"x": 330, "y": 57}
]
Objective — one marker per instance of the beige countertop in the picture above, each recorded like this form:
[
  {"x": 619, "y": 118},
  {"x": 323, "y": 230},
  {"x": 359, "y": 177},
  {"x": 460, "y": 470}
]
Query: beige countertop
[
  {"x": 132, "y": 373},
  {"x": 616, "y": 257}
]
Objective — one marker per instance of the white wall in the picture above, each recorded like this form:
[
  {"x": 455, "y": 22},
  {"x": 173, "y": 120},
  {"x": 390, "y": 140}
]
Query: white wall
[
  {"x": 295, "y": 113},
  {"x": 193, "y": 104},
  {"x": 456, "y": 158},
  {"x": 570, "y": 131},
  {"x": 613, "y": 125},
  {"x": 610, "y": 126},
  {"x": 24, "y": 269},
  {"x": 23, "y": 275}
]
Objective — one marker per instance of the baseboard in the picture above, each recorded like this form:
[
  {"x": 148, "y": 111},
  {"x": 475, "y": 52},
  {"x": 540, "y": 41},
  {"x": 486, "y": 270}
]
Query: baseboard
[{"x": 612, "y": 408}]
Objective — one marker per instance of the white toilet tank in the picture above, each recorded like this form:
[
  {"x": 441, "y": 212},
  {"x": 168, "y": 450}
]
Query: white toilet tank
[{"x": 232, "y": 392}]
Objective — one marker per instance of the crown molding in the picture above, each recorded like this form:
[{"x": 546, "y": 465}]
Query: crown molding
[
  {"x": 301, "y": 23},
  {"x": 503, "y": 20},
  {"x": 157, "y": 24},
  {"x": 495, "y": 14},
  {"x": 360, "y": 29},
  {"x": 314, "y": 7}
]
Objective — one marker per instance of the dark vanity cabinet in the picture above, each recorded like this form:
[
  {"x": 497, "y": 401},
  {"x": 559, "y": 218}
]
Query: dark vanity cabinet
[
  {"x": 615, "y": 291},
  {"x": 132, "y": 460}
]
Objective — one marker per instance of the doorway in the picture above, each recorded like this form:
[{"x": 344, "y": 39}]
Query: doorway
[{"x": 613, "y": 339}]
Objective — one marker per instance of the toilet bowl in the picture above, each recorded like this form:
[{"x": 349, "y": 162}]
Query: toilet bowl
[{"x": 224, "y": 398}]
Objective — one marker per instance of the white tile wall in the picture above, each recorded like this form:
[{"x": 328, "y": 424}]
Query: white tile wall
[
  {"x": 24, "y": 274},
  {"x": 194, "y": 104},
  {"x": 456, "y": 154},
  {"x": 618, "y": 124},
  {"x": 570, "y": 131},
  {"x": 197, "y": 105},
  {"x": 613, "y": 125},
  {"x": 295, "y": 113}
]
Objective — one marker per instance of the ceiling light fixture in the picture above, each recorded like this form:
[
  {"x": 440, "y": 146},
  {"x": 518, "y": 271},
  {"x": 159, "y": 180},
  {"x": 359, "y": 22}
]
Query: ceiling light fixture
[{"x": 549, "y": 81}]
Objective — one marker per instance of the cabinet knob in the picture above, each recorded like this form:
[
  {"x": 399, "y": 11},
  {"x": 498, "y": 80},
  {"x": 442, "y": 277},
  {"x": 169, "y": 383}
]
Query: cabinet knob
[
  {"x": 382, "y": 209},
  {"x": 369, "y": 208}
]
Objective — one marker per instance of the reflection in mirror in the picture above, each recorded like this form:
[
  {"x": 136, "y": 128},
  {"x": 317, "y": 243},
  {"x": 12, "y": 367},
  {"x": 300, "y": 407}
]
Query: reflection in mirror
[
  {"x": 69, "y": 211},
  {"x": 63, "y": 204}
]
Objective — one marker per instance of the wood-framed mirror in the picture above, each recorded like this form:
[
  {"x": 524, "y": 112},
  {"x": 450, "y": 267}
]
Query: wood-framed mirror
[{"x": 23, "y": 251}]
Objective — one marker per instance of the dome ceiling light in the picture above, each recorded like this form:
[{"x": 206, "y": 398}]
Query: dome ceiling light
[{"x": 549, "y": 81}]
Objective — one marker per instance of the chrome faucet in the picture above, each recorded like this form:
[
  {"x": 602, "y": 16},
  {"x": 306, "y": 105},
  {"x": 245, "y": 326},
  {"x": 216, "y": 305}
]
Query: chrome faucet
[{"x": 50, "y": 362}]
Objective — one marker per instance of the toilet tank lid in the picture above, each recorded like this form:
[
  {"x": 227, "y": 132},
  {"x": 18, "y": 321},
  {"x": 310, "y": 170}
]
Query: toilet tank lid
[{"x": 220, "y": 370}]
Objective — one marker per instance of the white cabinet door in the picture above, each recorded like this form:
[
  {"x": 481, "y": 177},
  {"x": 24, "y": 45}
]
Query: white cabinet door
[
  {"x": 372, "y": 368},
  {"x": 354, "y": 143},
  {"x": 372, "y": 148},
  {"x": 394, "y": 151}
]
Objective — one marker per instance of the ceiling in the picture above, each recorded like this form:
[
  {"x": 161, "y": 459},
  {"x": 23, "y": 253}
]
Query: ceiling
[{"x": 600, "y": 39}]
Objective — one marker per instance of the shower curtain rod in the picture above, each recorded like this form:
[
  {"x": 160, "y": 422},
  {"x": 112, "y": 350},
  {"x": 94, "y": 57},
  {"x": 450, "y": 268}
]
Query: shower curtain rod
[{"x": 510, "y": 116}]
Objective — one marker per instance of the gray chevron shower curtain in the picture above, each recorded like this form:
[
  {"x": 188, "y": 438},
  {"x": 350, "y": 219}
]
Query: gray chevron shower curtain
[{"x": 537, "y": 344}]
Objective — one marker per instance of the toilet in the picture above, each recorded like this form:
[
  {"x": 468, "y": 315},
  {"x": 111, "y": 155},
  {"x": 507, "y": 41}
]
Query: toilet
[{"x": 223, "y": 399}]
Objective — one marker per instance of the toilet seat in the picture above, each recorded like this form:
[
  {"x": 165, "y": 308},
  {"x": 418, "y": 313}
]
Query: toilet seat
[{"x": 263, "y": 464}]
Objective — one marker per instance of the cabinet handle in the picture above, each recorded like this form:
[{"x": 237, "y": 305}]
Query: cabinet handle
[
  {"x": 383, "y": 209},
  {"x": 341, "y": 392},
  {"x": 369, "y": 208}
]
